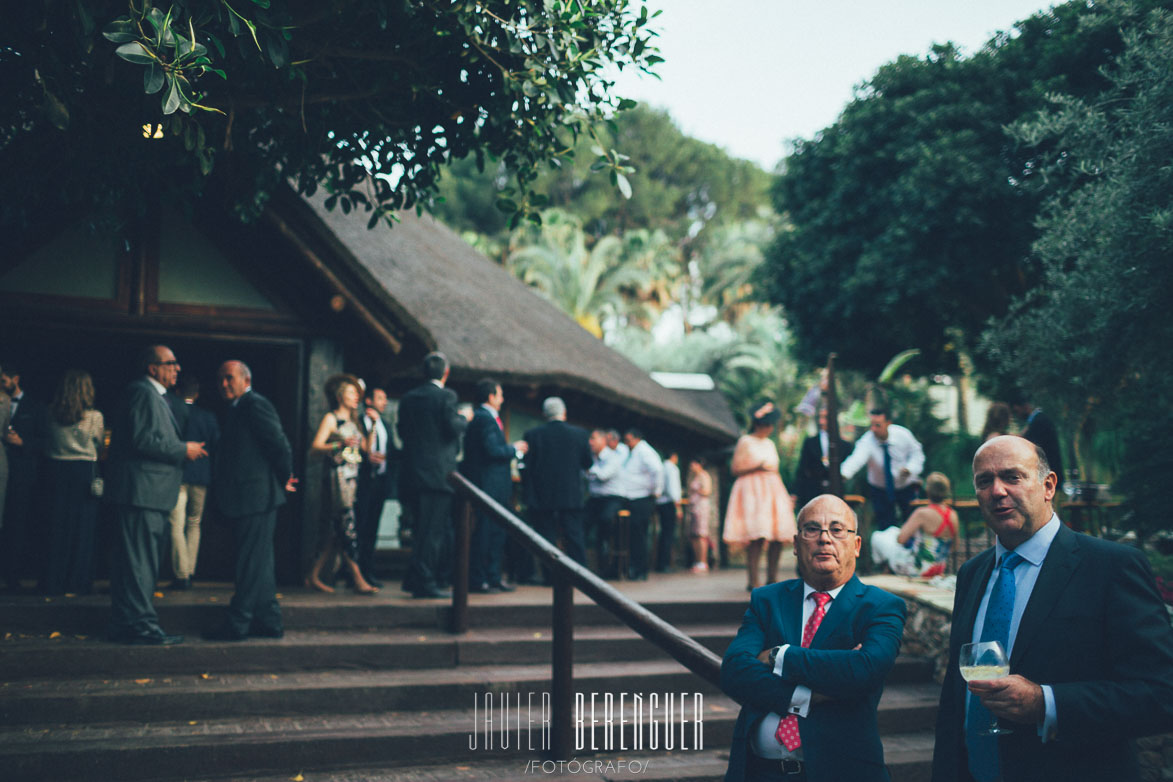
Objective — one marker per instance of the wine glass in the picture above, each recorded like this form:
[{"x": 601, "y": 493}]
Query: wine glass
[{"x": 981, "y": 661}]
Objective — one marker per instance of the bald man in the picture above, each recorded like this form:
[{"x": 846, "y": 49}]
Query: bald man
[{"x": 808, "y": 664}]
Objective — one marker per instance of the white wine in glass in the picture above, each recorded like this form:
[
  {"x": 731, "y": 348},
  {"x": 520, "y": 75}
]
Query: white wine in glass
[{"x": 986, "y": 660}]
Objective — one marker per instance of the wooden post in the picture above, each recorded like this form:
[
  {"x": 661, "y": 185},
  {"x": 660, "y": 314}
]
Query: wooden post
[
  {"x": 562, "y": 685},
  {"x": 463, "y": 544},
  {"x": 833, "y": 457}
]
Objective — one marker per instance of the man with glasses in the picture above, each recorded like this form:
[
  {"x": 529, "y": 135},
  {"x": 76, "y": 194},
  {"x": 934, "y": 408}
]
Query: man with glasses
[
  {"x": 145, "y": 470},
  {"x": 809, "y": 662}
]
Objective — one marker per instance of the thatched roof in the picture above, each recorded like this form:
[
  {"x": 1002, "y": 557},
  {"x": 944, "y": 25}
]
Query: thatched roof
[{"x": 454, "y": 299}]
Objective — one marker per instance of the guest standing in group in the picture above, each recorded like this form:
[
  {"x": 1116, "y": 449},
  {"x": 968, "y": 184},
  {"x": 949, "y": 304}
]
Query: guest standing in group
[
  {"x": 668, "y": 511},
  {"x": 188, "y": 512},
  {"x": 76, "y": 432},
  {"x": 340, "y": 443},
  {"x": 700, "y": 510},
  {"x": 637, "y": 484},
  {"x": 895, "y": 460},
  {"x": 24, "y": 441},
  {"x": 603, "y": 502},
  {"x": 430, "y": 426},
  {"x": 760, "y": 513},
  {"x": 253, "y": 472},
  {"x": 144, "y": 473},
  {"x": 374, "y": 481},
  {"x": 557, "y": 457}
]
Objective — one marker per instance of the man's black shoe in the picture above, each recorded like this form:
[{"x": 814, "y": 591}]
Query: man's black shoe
[
  {"x": 150, "y": 640},
  {"x": 180, "y": 585},
  {"x": 223, "y": 634},
  {"x": 433, "y": 592},
  {"x": 501, "y": 586},
  {"x": 267, "y": 632}
]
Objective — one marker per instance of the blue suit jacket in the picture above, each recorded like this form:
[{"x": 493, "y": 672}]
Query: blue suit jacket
[
  {"x": 840, "y": 738},
  {"x": 487, "y": 456}
]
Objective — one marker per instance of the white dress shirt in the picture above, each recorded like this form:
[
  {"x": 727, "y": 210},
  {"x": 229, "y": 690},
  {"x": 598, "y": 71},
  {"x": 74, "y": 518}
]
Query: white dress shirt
[
  {"x": 903, "y": 448},
  {"x": 640, "y": 473},
  {"x": 764, "y": 742}
]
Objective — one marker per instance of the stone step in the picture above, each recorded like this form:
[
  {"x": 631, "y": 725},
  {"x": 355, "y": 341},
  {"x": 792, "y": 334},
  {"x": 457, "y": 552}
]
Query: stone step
[
  {"x": 203, "y": 607},
  {"x": 41, "y": 657},
  {"x": 284, "y": 745}
]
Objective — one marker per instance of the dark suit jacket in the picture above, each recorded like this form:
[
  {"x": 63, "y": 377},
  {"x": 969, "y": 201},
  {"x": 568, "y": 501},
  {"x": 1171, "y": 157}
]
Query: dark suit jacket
[
  {"x": 811, "y": 476},
  {"x": 555, "y": 464},
  {"x": 430, "y": 427},
  {"x": 840, "y": 737},
  {"x": 254, "y": 459},
  {"x": 146, "y": 454},
  {"x": 31, "y": 422},
  {"x": 201, "y": 427},
  {"x": 1094, "y": 629},
  {"x": 487, "y": 456}
]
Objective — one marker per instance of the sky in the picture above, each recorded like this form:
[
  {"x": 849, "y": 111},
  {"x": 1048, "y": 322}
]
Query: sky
[{"x": 748, "y": 75}]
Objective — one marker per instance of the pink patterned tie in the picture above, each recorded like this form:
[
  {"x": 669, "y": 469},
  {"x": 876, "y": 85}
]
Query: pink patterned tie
[{"x": 787, "y": 732}]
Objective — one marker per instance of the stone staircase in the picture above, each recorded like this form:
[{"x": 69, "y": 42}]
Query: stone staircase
[{"x": 374, "y": 689}]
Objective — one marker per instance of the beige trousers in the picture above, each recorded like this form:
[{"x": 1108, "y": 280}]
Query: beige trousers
[{"x": 185, "y": 529}]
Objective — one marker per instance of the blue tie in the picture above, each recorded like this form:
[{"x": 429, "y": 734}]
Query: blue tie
[
  {"x": 983, "y": 750},
  {"x": 889, "y": 481}
]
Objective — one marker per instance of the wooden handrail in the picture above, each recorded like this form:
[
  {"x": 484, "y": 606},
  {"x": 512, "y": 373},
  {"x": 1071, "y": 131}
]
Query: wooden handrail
[{"x": 682, "y": 648}]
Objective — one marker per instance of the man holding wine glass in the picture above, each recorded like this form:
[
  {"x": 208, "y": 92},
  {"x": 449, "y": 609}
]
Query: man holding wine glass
[{"x": 1086, "y": 636}]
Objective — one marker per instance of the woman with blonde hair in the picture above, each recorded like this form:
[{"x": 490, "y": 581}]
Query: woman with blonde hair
[
  {"x": 76, "y": 433},
  {"x": 921, "y": 546},
  {"x": 760, "y": 511},
  {"x": 339, "y": 442}
]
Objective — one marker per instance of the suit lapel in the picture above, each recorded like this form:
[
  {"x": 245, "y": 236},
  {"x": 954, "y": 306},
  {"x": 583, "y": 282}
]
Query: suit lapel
[
  {"x": 791, "y": 612},
  {"x": 965, "y": 613},
  {"x": 840, "y": 611},
  {"x": 1060, "y": 563}
]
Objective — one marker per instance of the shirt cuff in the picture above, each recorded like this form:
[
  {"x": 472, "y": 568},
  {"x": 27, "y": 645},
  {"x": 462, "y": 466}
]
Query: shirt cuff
[
  {"x": 1050, "y": 724},
  {"x": 800, "y": 700}
]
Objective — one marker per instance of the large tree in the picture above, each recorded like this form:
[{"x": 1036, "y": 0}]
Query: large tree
[
  {"x": 913, "y": 214},
  {"x": 369, "y": 97},
  {"x": 1095, "y": 335}
]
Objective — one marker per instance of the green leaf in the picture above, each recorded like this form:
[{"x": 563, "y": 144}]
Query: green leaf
[
  {"x": 623, "y": 184},
  {"x": 56, "y": 110},
  {"x": 135, "y": 53},
  {"x": 262, "y": 3},
  {"x": 627, "y": 103},
  {"x": 506, "y": 204},
  {"x": 120, "y": 31},
  {"x": 173, "y": 97},
  {"x": 153, "y": 78}
]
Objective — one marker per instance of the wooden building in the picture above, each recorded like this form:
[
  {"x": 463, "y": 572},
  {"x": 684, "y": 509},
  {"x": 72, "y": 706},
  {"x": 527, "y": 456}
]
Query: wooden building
[{"x": 299, "y": 295}]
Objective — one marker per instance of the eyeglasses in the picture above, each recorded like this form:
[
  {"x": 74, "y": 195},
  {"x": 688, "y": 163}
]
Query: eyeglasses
[
  {"x": 171, "y": 363},
  {"x": 814, "y": 531}
]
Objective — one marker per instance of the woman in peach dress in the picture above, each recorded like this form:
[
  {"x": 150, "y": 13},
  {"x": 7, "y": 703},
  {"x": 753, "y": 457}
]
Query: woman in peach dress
[{"x": 760, "y": 510}]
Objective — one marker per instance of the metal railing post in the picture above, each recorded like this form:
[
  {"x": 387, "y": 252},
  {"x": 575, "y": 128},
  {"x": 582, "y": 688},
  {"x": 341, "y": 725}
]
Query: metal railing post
[{"x": 562, "y": 684}]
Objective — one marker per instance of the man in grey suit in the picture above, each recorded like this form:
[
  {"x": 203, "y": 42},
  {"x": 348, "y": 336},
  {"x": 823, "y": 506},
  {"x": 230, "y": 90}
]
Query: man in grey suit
[
  {"x": 145, "y": 470},
  {"x": 252, "y": 472}
]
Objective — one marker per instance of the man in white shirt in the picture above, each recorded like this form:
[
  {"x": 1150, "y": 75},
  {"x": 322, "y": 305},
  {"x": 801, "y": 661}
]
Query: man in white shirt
[
  {"x": 637, "y": 483},
  {"x": 374, "y": 483},
  {"x": 668, "y": 509},
  {"x": 603, "y": 501},
  {"x": 895, "y": 460}
]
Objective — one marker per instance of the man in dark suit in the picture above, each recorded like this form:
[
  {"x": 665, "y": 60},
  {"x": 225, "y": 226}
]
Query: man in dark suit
[
  {"x": 198, "y": 425},
  {"x": 811, "y": 478},
  {"x": 144, "y": 473},
  {"x": 815, "y": 649},
  {"x": 557, "y": 457},
  {"x": 374, "y": 482},
  {"x": 487, "y": 456},
  {"x": 430, "y": 427},
  {"x": 24, "y": 442},
  {"x": 1090, "y": 646},
  {"x": 251, "y": 474}
]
